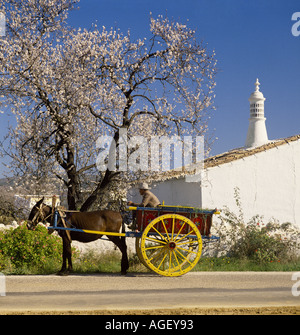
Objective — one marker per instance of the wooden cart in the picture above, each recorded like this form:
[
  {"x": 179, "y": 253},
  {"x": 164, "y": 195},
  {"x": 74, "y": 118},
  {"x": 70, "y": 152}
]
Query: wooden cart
[{"x": 169, "y": 239}]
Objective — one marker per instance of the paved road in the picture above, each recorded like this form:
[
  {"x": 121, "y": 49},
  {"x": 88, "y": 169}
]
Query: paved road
[{"x": 107, "y": 293}]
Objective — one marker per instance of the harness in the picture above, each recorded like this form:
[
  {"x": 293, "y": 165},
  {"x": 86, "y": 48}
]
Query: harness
[
  {"x": 59, "y": 210},
  {"x": 44, "y": 218},
  {"x": 41, "y": 213}
]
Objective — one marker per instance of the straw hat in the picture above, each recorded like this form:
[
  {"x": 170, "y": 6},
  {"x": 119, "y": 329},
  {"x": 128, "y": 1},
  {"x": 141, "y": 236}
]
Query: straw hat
[{"x": 144, "y": 186}]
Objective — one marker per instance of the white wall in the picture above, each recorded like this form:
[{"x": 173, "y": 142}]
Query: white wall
[
  {"x": 179, "y": 192},
  {"x": 173, "y": 192},
  {"x": 269, "y": 184}
]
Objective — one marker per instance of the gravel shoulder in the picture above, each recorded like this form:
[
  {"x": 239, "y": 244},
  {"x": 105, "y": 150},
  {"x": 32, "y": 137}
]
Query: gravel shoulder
[{"x": 150, "y": 294}]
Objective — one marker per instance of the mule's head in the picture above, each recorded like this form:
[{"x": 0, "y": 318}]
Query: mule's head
[{"x": 39, "y": 213}]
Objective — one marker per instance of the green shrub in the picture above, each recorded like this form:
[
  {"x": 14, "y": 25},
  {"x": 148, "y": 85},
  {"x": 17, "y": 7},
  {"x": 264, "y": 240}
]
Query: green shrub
[
  {"x": 21, "y": 247},
  {"x": 255, "y": 240},
  {"x": 258, "y": 244}
]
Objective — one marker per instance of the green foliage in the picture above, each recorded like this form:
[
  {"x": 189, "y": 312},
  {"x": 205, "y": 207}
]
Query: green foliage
[
  {"x": 23, "y": 248},
  {"x": 256, "y": 241},
  {"x": 258, "y": 244}
]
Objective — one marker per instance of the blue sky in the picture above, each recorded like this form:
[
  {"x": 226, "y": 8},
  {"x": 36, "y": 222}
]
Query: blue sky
[{"x": 251, "y": 38}]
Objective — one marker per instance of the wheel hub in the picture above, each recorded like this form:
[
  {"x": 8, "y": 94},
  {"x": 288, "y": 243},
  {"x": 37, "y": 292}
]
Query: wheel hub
[{"x": 172, "y": 245}]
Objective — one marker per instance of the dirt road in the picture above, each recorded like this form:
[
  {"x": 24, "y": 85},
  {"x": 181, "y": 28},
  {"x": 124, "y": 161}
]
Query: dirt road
[{"x": 194, "y": 293}]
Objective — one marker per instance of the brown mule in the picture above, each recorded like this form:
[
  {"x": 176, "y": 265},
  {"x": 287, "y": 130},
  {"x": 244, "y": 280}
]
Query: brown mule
[{"x": 105, "y": 220}]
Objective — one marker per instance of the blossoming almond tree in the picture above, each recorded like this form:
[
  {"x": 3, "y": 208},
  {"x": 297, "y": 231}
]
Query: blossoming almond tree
[{"x": 67, "y": 87}]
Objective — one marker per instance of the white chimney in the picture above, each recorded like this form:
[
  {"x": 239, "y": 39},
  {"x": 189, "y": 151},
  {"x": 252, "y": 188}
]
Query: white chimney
[{"x": 257, "y": 132}]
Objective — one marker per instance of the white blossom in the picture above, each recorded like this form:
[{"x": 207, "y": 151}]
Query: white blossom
[{"x": 67, "y": 87}]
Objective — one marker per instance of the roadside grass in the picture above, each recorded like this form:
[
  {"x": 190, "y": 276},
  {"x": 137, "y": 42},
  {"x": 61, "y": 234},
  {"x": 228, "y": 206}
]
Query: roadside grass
[
  {"x": 88, "y": 263},
  {"x": 109, "y": 262},
  {"x": 237, "y": 264}
]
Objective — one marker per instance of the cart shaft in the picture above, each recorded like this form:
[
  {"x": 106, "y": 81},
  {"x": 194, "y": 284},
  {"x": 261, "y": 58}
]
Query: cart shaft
[{"x": 89, "y": 231}]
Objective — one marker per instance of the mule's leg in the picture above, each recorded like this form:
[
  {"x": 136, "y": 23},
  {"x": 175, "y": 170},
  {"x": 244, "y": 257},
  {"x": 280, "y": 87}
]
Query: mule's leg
[
  {"x": 67, "y": 254},
  {"x": 64, "y": 256},
  {"x": 124, "y": 262},
  {"x": 121, "y": 244}
]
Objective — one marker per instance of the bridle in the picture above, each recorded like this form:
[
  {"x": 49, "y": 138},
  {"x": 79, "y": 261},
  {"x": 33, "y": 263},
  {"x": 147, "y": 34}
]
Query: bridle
[{"x": 41, "y": 214}]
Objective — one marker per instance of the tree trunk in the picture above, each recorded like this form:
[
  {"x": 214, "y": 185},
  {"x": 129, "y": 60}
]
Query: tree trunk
[
  {"x": 102, "y": 184},
  {"x": 73, "y": 181},
  {"x": 100, "y": 187}
]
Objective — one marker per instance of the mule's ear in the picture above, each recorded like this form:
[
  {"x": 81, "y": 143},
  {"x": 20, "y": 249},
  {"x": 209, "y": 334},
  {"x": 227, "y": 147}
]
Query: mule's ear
[{"x": 40, "y": 202}]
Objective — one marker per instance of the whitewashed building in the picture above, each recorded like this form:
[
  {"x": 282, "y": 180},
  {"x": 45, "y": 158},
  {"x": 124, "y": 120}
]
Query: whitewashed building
[
  {"x": 26, "y": 202},
  {"x": 266, "y": 172}
]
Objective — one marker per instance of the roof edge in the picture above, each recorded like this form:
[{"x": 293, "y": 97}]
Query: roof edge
[{"x": 240, "y": 153}]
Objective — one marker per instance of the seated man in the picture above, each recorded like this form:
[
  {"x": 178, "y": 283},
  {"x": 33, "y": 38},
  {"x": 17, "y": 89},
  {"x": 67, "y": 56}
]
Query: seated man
[{"x": 149, "y": 199}]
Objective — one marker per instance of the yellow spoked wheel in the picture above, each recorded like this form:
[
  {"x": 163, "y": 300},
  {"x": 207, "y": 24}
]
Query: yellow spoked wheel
[
  {"x": 171, "y": 245},
  {"x": 138, "y": 250}
]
